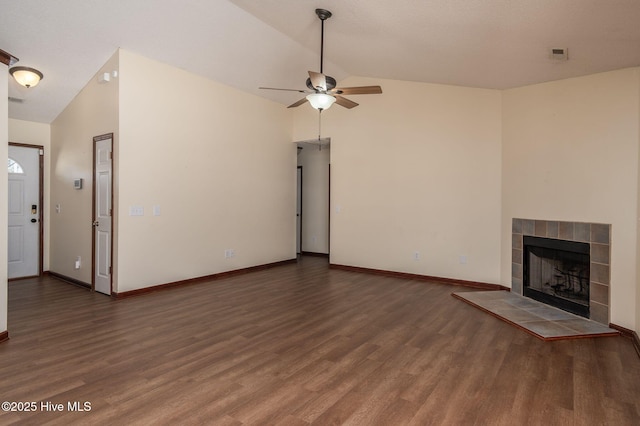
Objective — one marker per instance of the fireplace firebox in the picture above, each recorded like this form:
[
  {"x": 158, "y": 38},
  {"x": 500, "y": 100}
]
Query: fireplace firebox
[{"x": 556, "y": 272}]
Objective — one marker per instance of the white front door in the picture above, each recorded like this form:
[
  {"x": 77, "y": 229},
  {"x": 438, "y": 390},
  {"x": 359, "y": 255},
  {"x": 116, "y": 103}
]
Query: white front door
[
  {"x": 102, "y": 213},
  {"x": 24, "y": 211}
]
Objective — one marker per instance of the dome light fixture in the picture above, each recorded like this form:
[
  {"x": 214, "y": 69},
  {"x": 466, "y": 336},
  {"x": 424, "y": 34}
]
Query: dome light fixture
[
  {"x": 25, "y": 76},
  {"x": 321, "y": 101}
]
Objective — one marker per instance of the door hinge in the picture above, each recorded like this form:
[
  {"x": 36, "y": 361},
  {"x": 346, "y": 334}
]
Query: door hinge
[
  {"x": 110, "y": 212},
  {"x": 110, "y": 270},
  {"x": 110, "y": 155}
]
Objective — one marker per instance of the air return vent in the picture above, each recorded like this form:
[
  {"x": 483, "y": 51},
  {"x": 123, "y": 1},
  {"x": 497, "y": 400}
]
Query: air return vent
[{"x": 559, "y": 53}]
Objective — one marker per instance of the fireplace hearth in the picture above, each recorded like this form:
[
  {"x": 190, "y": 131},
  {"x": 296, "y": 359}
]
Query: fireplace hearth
[{"x": 556, "y": 272}]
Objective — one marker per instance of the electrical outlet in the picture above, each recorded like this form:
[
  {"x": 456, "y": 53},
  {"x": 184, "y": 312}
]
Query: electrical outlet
[
  {"x": 229, "y": 253},
  {"x": 78, "y": 262},
  {"x": 463, "y": 259},
  {"x": 416, "y": 255}
]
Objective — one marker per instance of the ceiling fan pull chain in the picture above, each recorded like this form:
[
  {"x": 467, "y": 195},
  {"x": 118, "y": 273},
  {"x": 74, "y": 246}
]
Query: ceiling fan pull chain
[{"x": 319, "y": 130}]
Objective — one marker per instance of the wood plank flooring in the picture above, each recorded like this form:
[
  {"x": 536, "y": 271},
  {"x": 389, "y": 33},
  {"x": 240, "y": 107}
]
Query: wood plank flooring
[{"x": 296, "y": 345}]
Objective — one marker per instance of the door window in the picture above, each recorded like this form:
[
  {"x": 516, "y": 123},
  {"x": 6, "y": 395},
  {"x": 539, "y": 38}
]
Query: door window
[{"x": 14, "y": 167}]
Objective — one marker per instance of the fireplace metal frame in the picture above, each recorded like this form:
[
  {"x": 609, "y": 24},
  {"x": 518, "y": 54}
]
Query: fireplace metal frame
[{"x": 531, "y": 243}]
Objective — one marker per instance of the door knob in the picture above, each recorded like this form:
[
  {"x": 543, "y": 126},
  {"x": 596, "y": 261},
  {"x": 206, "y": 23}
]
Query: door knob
[
  {"x": 96, "y": 223},
  {"x": 34, "y": 220}
]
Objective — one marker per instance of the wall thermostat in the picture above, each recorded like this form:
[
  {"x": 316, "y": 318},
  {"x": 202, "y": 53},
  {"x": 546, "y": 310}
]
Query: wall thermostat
[{"x": 77, "y": 184}]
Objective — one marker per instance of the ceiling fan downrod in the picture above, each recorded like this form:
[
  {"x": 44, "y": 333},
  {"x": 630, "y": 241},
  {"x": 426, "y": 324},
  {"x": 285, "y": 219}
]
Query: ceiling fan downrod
[{"x": 323, "y": 14}]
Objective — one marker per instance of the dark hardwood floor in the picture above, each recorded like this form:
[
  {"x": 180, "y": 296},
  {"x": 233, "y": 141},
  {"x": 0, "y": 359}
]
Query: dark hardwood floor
[{"x": 301, "y": 344}]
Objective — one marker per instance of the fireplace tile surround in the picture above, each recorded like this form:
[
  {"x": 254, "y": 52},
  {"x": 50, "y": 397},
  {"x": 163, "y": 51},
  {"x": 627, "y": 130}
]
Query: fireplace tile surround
[{"x": 598, "y": 235}]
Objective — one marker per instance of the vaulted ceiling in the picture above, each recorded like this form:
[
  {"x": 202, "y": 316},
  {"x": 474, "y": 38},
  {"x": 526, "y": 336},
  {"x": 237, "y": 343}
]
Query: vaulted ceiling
[{"x": 248, "y": 43}]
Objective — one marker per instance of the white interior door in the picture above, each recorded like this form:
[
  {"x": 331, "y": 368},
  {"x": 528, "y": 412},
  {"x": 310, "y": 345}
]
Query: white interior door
[
  {"x": 24, "y": 212},
  {"x": 102, "y": 222}
]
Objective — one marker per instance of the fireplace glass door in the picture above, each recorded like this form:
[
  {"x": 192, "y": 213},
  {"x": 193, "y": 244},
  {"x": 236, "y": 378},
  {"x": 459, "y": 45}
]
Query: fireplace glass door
[{"x": 556, "y": 272}]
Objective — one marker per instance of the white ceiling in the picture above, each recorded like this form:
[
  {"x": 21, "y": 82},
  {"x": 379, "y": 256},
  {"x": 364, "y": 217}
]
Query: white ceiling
[{"x": 251, "y": 43}]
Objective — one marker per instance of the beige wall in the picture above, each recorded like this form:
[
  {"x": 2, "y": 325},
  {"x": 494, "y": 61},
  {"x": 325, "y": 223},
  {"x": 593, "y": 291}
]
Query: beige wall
[
  {"x": 570, "y": 152},
  {"x": 93, "y": 112},
  {"x": 415, "y": 169},
  {"x": 219, "y": 163},
  {"x": 315, "y": 198},
  {"x": 4, "y": 182},
  {"x": 31, "y": 133}
]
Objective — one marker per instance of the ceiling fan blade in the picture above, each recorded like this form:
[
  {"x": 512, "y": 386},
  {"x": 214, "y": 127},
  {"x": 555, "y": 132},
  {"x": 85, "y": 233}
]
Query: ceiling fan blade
[
  {"x": 286, "y": 90},
  {"x": 361, "y": 90},
  {"x": 318, "y": 80},
  {"x": 347, "y": 103},
  {"x": 298, "y": 103}
]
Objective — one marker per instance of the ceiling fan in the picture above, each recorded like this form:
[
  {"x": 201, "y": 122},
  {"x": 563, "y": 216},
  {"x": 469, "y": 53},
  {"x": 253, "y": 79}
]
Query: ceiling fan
[{"x": 322, "y": 91}]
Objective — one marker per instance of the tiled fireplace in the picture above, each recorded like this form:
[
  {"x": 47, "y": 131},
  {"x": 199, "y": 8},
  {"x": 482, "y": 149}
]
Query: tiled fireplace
[{"x": 595, "y": 236}]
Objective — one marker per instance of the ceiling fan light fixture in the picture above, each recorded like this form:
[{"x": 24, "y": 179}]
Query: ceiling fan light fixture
[
  {"x": 25, "y": 76},
  {"x": 321, "y": 101}
]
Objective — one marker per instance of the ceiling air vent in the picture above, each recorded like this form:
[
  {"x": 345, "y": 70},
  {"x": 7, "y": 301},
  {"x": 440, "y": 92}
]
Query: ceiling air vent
[{"x": 559, "y": 54}]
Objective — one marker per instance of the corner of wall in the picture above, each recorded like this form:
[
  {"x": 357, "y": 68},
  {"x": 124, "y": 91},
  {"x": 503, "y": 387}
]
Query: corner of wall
[{"x": 93, "y": 112}]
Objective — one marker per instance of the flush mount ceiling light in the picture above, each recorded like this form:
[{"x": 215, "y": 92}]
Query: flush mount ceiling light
[{"x": 25, "y": 76}]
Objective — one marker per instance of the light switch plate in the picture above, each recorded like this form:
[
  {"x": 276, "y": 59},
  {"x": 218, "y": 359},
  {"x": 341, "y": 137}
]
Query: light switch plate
[{"x": 136, "y": 211}]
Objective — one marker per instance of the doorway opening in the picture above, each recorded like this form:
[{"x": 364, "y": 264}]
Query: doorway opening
[
  {"x": 299, "y": 210},
  {"x": 313, "y": 194}
]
